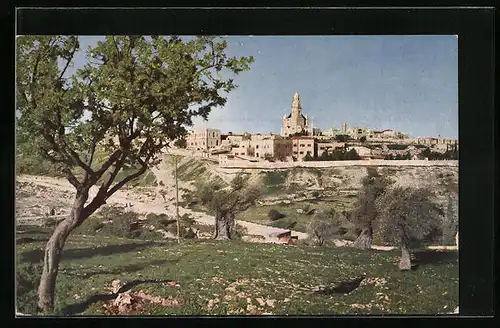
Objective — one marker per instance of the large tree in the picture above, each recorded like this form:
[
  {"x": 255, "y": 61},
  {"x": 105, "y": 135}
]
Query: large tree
[
  {"x": 365, "y": 213},
  {"x": 226, "y": 201},
  {"x": 406, "y": 215},
  {"x": 132, "y": 96}
]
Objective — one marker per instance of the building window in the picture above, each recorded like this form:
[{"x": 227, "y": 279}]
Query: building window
[
  {"x": 302, "y": 145},
  {"x": 257, "y": 147},
  {"x": 301, "y": 152},
  {"x": 308, "y": 145}
]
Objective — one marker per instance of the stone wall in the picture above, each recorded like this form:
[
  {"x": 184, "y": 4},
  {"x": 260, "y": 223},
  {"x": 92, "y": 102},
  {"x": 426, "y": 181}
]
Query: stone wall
[{"x": 224, "y": 162}]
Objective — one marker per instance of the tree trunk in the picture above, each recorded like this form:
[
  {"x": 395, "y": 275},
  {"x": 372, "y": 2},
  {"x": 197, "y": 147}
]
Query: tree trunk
[
  {"x": 405, "y": 262},
  {"x": 224, "y": 227},
  {"x": 364, "y": 240},
  {"x": 53, "y": 253}
]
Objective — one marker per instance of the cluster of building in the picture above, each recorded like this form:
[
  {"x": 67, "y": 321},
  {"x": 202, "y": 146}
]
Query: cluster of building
[{"x": 298, "y": 138}]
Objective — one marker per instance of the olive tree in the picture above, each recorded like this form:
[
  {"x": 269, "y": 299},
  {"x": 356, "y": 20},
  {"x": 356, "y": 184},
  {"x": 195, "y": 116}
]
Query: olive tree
[
  {"x": 406, "y": 215},
  {"x": 224, "y": 202},
  {"x": 325, "y": 225},
  {"x": 365, "y": 212},
  {"x": 132, "y": 96}
]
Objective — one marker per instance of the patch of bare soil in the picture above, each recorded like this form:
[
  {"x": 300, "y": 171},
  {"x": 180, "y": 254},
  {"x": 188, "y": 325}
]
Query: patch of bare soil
[{"x": 132, "y": 303}]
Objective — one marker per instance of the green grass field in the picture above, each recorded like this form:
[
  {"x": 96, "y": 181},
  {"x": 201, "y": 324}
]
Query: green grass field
[{"x": 236, "y": 277}]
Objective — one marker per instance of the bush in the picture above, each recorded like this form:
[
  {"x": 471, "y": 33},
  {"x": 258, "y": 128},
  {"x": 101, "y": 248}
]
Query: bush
[
  {"x": 27, "y": 281},
  {"x": 321, "y": 230},
  {"x": 239, "y": 231},
  {"x": 282, "y": 224},
  {"x": 90, "y": 226},
  {"x": 275, "y": 215}
]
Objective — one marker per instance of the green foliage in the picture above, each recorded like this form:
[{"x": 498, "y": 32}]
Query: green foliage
[
  {"x": 274, "y": 179},
  {"x": 180, "y": 143},
  {"x": 405, "y": 215},
  {"x": 342, "y": 138},
  {"x": 133, "y": 95},
  {"x": 398, "y": 157},
  {"x": 450, "y": 154},
  {"x": 308, "y": 157},
  {"x": 338, "y": 155},
  {"x": 27, "y": 281},
  {"x": 269, "y": 157},
  {"x": 233, "y": 199},
  {"x": 274, "y": 215}
]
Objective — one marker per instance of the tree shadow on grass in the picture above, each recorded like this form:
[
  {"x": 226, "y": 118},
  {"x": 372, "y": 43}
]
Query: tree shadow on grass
[
  {"x": 117, "y": 270},
  {"x": 36, "y": 255},
  {"x": 80, "y": 307},
  {"x": 29, "y": 240},
  {"x": 435, "y": 257}
]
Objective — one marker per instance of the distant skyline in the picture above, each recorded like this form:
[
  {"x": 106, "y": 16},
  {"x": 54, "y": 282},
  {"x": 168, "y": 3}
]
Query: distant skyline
[{"x": 404, "y": 83}]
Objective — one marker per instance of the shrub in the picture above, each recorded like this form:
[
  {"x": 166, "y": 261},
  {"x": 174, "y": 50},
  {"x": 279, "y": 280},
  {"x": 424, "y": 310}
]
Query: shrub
[
  {"x": 239, "y": 231},
  {"x": 90, "y": 226},
  {"x": 282, "y": 224},
  {"x": 275, "y": 215},
  {"x": 321, "y": 230},
  {"x": 27, "y": 281},
  {"x": 123, "y": 223},
  {"x": 161, "y": 183}
]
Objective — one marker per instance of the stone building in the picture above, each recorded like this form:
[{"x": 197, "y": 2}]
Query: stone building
[
  {"x": 295, "y": 122},
  {"x": 260, "y": 146},
  {"x": 203, "y": 139},
  {"x": 302, "y": 145}
]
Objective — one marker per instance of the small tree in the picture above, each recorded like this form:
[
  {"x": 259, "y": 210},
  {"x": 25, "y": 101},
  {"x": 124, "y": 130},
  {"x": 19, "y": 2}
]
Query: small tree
[
  {"x": 226, "y": 202},
  {"x": 308, "y": 157},
  {"x": 365, "y": 213},
  {"x": 325, "y": 225},
  {"x": 362, "y": 139},
  {"x": 342, "y": 137},
  {"x": 406, "y": 215},
  {"x": 450, "y": 221},
  {"x": 132, "y": 97},
  {"x": 351, "y": 155},
  {"x": 269, "y": 157}
]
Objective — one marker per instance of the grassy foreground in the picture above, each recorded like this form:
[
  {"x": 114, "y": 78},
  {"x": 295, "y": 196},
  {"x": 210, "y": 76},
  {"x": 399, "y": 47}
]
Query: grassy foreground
[{"x": 235, "y": 278}]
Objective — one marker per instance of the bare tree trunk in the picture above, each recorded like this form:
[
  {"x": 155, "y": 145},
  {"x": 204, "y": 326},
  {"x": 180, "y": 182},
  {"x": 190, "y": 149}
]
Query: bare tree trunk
[
  {"x": 224, "y": 227},
  {"x": 405, "y": 262},
  {"x": 53, "y": 253},
  {"x": 364, "y": 240},
  {"x": 216, "y": 230}
]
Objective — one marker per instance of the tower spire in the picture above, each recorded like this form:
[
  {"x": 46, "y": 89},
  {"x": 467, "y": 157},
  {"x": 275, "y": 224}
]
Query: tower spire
[{"x": 296, "y": 106}]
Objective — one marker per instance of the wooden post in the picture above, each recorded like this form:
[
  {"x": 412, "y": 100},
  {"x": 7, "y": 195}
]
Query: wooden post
[{"x": 177, "y": 202}]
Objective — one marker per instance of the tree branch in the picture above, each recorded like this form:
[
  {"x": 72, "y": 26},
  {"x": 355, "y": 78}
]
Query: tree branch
[
  {"x": 72, "y": 179},
  {"x": 68, "y": 61},
  {"x": 125, "y": 180}
]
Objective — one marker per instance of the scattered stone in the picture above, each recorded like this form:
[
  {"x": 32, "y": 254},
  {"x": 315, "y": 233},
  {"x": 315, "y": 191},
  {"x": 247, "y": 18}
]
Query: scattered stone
[
  {"x": 260, "y": 301},
  {"x": 270, "y": 302}
]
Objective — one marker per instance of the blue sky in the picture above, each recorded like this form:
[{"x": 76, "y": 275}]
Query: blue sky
[{"x": 405, "y": 83}]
